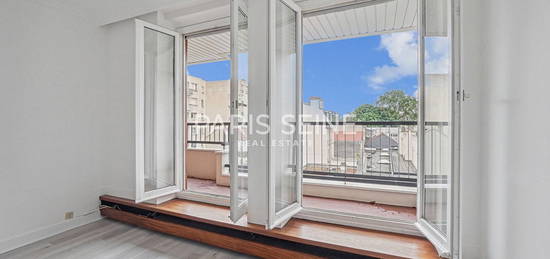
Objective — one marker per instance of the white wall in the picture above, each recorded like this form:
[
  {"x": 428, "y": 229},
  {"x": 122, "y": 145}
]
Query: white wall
[
  {"x": 120, "y": 70},
  {"x": 506, "y": 165},
  {"x": 67, "y": 110},
  {"x": 54, "y": 139},
  {"x": 473, "y": 47}
]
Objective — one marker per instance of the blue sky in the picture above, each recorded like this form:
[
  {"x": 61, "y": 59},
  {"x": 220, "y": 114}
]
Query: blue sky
[
  {"x": 347, "y": 73},
  {"x": 211, "y": 71}
]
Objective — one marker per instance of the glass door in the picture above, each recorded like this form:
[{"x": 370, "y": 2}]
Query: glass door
[
  {"x": 158, "y": 105},
  {"x": 285, "y": 170},
  {"x": 438, "y": 132},
  {"x": 239, "y": 109}
]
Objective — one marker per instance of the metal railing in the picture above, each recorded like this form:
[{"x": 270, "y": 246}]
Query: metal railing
[
  {"x": 207, "y": 135},
  {"x": 379, "y": 152}
]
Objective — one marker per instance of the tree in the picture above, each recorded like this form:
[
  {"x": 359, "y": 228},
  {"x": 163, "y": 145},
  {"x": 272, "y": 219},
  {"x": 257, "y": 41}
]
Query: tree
[
  {"x": 399, "y": 105},
  {"x": 369, "y": 112},
  {"x": 392, "y": 106}
]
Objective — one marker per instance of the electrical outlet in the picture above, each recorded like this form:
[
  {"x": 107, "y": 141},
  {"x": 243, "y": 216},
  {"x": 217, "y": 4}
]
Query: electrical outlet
[{"x": 69, "y": 215}]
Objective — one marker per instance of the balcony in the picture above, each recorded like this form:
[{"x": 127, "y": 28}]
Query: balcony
[{"x": 365, "y": 168}]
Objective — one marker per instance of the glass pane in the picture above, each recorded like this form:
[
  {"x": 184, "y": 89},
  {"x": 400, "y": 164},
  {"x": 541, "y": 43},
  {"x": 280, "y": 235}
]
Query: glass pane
[
  {"x": 437, "y": 114},
  {"x": 283, "y": 118},
  {"x": 159, "y": 111},
  {"x": 242, "y": 102}
]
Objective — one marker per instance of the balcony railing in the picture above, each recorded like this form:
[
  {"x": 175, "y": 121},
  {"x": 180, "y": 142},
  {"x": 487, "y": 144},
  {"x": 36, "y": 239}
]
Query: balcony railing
[
  {"x": 207, "y": 135},
  {"x": 363, "y": 152}
]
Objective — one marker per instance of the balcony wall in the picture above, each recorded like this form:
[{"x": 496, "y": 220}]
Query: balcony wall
[
  {"x": 207, "y": 164},
  {"x": 389, "y": 195}
]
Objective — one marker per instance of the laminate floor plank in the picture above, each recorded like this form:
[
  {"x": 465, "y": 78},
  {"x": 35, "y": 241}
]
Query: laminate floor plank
[
  {"x": 89, "y": 246},
  {"x": 67, "y": 240},
  {"x": 111, "y": 239}
]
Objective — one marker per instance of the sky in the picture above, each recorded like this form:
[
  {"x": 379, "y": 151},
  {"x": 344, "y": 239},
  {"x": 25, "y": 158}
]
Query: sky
[{"x": 349, "y": 73}]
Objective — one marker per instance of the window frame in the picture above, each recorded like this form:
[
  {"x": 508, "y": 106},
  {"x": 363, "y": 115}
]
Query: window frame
[
  {"x": 238, "y": 208},
  {"x": 279, "y": 218},
  {"x": 141, "y": 109},
  {"x": 446, "y": 245}
]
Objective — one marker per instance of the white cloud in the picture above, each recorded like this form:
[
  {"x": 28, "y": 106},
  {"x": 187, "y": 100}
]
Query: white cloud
[{"x": 402, "y": 50}]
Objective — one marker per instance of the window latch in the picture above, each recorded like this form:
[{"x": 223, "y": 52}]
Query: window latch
[{"x": 462, "y": 95}]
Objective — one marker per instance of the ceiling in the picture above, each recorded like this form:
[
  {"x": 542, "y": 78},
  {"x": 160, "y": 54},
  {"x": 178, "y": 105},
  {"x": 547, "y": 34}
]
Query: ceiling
[
  {"x": 369, "y": 19},
  {"x": 346, "y": 18},
  {"x": 108, "y": 11},
  {"x": 187, "y": 14},
  {"x": 360, "y": 18}
]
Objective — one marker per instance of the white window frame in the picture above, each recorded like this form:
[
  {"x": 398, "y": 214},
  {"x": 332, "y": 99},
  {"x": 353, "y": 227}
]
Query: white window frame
[
  {"x": 237, "y": 208},
  {"x": 278, "y": 219},
  {"x": 447, "y": 246},
  {"x": 141, "y": 110}
]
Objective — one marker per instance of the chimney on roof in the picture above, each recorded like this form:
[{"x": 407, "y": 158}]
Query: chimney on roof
[{"x": 315, "y": 101}]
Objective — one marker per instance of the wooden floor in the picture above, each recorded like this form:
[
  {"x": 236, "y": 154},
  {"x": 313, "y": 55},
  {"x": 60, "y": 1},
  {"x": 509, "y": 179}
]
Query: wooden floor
[
  {"x": 111, "y": 239},
  {"x": 347, "y": 239},
  {"x": 355, "y": 207}
]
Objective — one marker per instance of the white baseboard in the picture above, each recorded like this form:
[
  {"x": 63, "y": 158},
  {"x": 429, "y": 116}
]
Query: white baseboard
[{"x": 45, "y": 232}]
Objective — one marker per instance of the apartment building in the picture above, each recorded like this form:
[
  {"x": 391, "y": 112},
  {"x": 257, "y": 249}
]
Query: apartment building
[
  {"x": 196, "y": 99},
  {"x": 209, "y": 100}
]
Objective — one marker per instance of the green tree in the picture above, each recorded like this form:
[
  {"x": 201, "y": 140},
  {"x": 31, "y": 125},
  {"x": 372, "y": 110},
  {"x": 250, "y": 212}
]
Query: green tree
[
  {"x": 394, "y": 105},
  {"x": 369, "y": 112},
  {"x": 399, "y": 105}
]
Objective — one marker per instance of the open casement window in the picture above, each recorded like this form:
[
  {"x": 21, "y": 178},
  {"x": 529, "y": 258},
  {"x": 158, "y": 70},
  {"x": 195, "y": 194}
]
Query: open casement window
[
  {"x": 238, "y": 153},
  {"x": 284, "y": 98},
  {"x": 438, "y": 119},
  {"x": 158, "y": 105}
]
